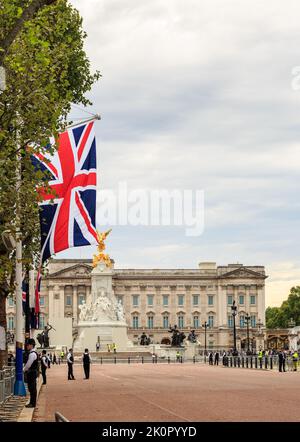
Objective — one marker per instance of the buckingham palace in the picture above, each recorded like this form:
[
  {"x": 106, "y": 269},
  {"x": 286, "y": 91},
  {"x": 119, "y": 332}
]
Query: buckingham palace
[{"x": 155, "y": 299}]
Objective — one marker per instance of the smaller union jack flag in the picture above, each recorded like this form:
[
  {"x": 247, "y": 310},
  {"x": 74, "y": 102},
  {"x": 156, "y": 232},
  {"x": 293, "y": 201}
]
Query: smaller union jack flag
[{"x": 69, "y": 220}]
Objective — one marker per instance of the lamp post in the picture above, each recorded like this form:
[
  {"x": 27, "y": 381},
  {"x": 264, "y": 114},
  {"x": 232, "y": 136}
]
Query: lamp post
[
  {"x": 234, "y": 313},
  {"x": 247, "y": 319},
  {"x": 205, "y": 325}
]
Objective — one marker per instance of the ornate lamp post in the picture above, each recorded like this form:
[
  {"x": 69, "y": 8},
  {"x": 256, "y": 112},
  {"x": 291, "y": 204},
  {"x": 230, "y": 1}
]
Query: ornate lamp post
[
  {"x": 205, "y": 325},
  {"x": 247, "y": 319},
  {"x": 234, "y": 313}
]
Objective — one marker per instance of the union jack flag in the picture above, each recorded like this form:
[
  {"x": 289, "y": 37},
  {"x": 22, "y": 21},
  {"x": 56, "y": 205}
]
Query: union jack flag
[{"x": 69, "y": 220}]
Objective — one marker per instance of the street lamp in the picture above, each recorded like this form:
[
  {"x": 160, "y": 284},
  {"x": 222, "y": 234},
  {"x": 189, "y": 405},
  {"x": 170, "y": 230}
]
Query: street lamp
[
  {"x": 234, "y": 313},
  {"x": 247, "y": 319},
  {"x": 205, "y": 325}
]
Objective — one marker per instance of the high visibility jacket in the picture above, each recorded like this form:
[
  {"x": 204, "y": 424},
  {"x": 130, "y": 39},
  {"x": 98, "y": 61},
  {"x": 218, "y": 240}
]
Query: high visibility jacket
[
  {"x": 260, "y": 354},
  {"x": 295, "y": 356}
]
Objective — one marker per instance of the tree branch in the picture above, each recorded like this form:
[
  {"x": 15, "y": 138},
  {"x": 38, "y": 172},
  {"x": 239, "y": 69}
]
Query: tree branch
[{"x": 27, "y": 15}]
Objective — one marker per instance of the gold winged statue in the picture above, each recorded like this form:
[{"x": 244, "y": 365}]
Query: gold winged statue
[{"x": 102, "y": 257}]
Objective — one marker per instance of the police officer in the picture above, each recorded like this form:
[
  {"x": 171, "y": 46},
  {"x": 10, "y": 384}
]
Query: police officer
[
  {"x": 86, "y": 359},
  {"x": 260, "y": 358},
  {"x": 44, "y": 366},
  {"x": 31, "y": 369},
  {"x": 70, "y": 361},
  {"x": 295, "y": 358}
]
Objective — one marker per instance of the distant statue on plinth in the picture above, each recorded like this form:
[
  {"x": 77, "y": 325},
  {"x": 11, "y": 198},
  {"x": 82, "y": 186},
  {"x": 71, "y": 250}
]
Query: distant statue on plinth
[
  {"x": 144, "y": 339},
  {"x": 43, "y": 338},
  {"x": 177, "y": 336},
  {"x": 192, "y": 337}
]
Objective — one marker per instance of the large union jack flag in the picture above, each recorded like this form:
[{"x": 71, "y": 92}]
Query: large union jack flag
[{"x": 69, "y": 219}]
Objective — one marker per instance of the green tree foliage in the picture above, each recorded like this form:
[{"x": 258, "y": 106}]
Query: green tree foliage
[
  {"x": 46, "y": 70},
  {"x": 280, "y": 317}
]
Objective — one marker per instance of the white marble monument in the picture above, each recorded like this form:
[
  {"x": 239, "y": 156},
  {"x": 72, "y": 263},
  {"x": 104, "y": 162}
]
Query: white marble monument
[{"x": 101, "y": 318}]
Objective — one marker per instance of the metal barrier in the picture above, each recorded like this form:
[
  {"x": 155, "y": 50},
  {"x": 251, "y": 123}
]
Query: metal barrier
[
  {"x": 60, "y": 418},
  {"x": 7, "y": 379},
  {"x": 264, "y": 363}
]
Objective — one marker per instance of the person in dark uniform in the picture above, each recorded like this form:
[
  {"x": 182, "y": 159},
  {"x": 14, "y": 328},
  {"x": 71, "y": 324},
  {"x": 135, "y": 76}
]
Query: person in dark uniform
[
  {"x": 86, "y": 359},
  {"x": 280, "y": 360},
  {"x": 70, "y": 361},
  {"x": 44, "y": 366},
  {"x": 31, "y": 370},
  {"x": 217, "y": 358}
]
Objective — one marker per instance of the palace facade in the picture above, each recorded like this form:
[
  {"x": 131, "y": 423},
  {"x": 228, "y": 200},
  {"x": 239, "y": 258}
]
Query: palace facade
[{"x": 155, "y": 299}]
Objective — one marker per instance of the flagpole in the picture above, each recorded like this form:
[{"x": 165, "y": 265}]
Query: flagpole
[{"x": 19, "y": 387}]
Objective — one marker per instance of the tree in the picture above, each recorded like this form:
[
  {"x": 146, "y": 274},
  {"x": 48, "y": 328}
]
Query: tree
[
  {"x": 19, "y": 18},
  {"x": 47, "y": 70},
  {"x": 279, "y": 317}
]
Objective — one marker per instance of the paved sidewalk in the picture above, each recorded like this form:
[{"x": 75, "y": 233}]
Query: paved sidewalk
[{"x": 170, "y": 393}]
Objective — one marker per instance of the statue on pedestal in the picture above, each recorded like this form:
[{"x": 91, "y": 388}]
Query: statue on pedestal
[
  {"x": 192, "y": 337},
  {"x": 177, "y": 337},
  {"x": 43, "y": 338}
]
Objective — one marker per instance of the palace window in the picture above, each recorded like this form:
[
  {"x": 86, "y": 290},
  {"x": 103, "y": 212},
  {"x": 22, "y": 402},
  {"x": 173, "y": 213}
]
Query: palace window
[
  {"x": 195, "y": 299},
  {"x": 242, "y": 321},
  {"x": 196, "y": 321},
  {"x": 229, "y": 299},
  {"x": 11, "y": 323},
  {"x": 253, "y": 321},
  {"x": 230, "y": 321},
  {"x": 166, "y": 321},
  {"x": 11, "y": 301},
  {"x": 81, "y": 298},
  {"x": 135, "y": 300},
  {"x": 41, "y": 322},
  {"x": 180, "y": 300},
  {"x": 135, "y": 322},
  {"x": 180, "y": 321},
  {"x": 241, "y": 299},
  {"x": 210, "y": 321},
  {"x": 68, "y": 300},
  {"x": 42, "y": 301},
  {"x": 150, "y": 321},
  {"x": 165, "y": 300},
  {"x": 210, "y": 300},
  {"x": 252, "y": 299},
  {"x": 150, "y": 300}
]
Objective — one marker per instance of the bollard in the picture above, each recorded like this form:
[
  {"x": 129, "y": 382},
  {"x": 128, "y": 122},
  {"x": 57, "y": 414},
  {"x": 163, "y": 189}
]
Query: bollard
[
  {"x": 243, "y": 362},
  {"x": 234, "y": 361},
  {"x": 181, "y": 359},
  {"x": 142, "y": 359},
  {"x": 230, "y": 361},
  {"x": 128, "y": 359},
  {"x": 255, "y": 362},
  {"x": 168, "y": 359},
  {"x": 156, "y": 359},
  {"x": 266, "y": 362},
  {"x": 239, "y": 362},
  {"x": 251, "y": 362},
  {"x": 115, "y": 359},
  {"x": 247, "y": 362},
  {"x": 194, "y": 359},
  {"x": 271, "y": 363}
]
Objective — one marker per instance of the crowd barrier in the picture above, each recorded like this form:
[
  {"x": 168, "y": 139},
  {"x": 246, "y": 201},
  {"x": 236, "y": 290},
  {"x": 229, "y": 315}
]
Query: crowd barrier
[{"x": 7, "y": 380}]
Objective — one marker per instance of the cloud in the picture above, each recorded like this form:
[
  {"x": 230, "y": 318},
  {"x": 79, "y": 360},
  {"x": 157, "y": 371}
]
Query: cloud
[{"x": 197, "y": 95}]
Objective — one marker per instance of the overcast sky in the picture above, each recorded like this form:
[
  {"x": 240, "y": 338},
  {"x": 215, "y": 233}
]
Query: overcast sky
[{"x": 197, "y": 94}]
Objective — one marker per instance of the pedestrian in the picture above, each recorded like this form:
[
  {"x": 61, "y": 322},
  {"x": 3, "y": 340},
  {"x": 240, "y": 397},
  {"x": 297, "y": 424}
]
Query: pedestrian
[
  {"x": 178, "y": 356},
  {"x": 260, "y": 358},
  {"x": 49, "y": 360},
  {"x": 70, "y": 361},
  {"x": 62, "y": 355},
  {"x": 86, "y": 359},
  {"x": 217, "y": 358},
  {"x": 54, "y": 359},
  {"x": 295, "y": 357},
  {"x": 31, "y": 370},
  {"x": 108, "y": 348},
  {"x": 211, "y": 358},
  {"x": 44, "y": 366},
  {"x": 280, "y": 361},
  {"x": 97, "y": 346},
  {"x": 114, "y": 348}
]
